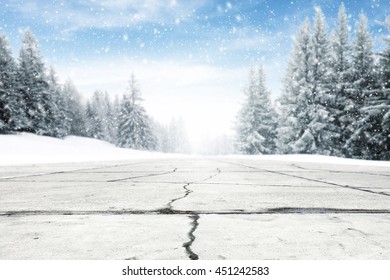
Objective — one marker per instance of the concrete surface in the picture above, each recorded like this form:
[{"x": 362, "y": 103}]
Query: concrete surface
[{"x": 195, "y": 208}]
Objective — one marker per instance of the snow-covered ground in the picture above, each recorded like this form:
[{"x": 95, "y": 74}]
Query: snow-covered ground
[{"x": 26, "y": 148}]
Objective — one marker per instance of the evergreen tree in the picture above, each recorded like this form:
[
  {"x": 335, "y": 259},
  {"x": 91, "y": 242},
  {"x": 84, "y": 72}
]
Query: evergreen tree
[
  {"x": 58, "y": 126},
  {"x": 384, "y": 137},
  {"x": 134, "y": 128},
  {"x": 12, "y": 117},
  {"x": 341, "y": 79},
  {"x": 322, "y": 100},
  {"x": 376, "y": 110},
  {"x": 110, "y": 119},
  {"x": 74, "y": 110},
  {"x": 100, "y": 118},
  {"x": 93, "y": 123},
  {"x": 256, "y": 121},
  {"x": 364, "y": 84},
  {"x": 95, "y": 117},
  {"x": 308, "y": 103},
  {"x": 161, "y": 134},
  {"x": 33, "y": 86},
  {"x": 293, "y": 132},
  {"x": 385, "y": 59}
]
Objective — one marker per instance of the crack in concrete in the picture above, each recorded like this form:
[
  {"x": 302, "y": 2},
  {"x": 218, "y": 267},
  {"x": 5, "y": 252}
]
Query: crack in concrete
[
  {"x": 312, "y": 180},
  {"x": 143, "y": 176},
  {"x": 165, "y": 211},
  {"x": 187, "y": 245},
  {"x": 338, "y": 171},
  {"x": 63, "y": 171},
  {"x": 194, "y": 216},
  {"x": 169, "y": 207}
]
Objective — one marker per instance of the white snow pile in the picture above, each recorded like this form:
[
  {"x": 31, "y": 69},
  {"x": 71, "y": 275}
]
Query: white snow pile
[
  {"x": 316, "y": 159},
  {"x": 26, "y": 148}
]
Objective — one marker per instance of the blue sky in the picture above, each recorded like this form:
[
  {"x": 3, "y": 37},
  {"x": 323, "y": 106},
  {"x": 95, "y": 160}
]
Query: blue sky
[
  {"x": 224, "y": 33},
  {"x": 189, "y": 56}
]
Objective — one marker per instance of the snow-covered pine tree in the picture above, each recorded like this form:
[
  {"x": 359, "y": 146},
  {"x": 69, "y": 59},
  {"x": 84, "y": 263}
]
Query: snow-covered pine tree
[
  {"x": 34, "y": 87},
  {"x": 75, "y": 116},
  {"x": 383, "y": 138},
  {"x": 59, "y": 127},
  {"x": 294, "y": 119},
  {"x": 12, "y": 115},
  {"x": 364, "y": 84},
  {"x": 95, "y": 117},
  {"x": 101, "y": 118},
  {"x": 322, "y": 100},
  {"x": 134, "y": 128},
  {"x": 161, "y": 134},
  {"x": 93, "y": 122},
  {"x": 257, "y": 119},
  {"x": 385, "y": 59},
  {"x": 341, "y": 78},
  {"x": 375, "y": 121},
  {"x": 110, "y": 125}
]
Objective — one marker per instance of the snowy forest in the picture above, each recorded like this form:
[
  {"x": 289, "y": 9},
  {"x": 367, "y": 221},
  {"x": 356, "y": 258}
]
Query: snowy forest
[
  {"x": 335, "y": 98},
  {"x": 32, "y": 100}
]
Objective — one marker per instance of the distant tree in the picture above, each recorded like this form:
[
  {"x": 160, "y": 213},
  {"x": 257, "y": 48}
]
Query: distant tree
[
  {"x": 110, "y": 120},
  {"x": 12, "y": 115},
  {"x": 58, "y": 126},
  {"x": 75, "y": 112},
  {"x": 161, "y": 135},
  {"x": 101, "y": 118},
  {"x": 93, "y": 121},
  {"x": 134, "y": 127},
  {"x": 257, "y": 119},
  {"x": 177, "y": 137}
]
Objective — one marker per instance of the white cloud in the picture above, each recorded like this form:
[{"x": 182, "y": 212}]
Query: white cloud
[{"x": 106, "y": 13}]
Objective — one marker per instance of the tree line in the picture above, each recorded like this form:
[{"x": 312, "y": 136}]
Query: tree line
[
  {"x": 32, "y": 100},
  {"x": 335, "y": 98}
]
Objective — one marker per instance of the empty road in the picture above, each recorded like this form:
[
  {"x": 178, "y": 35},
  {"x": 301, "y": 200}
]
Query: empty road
[{"x": 195, "y": 208}]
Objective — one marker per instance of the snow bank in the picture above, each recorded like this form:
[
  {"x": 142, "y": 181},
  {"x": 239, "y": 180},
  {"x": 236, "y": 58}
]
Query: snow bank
[
  {"x": 26, "y": 148},
  {"x": 314, "y": 159}
]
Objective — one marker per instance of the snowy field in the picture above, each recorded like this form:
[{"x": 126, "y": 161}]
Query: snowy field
[
  {"x": 26, "y": 148},
  {"x": 29, "y": 148},
  {"x": 85, "y": 199}
]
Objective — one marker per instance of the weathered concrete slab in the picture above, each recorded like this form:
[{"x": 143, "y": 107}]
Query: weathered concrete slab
[
  {"x": 260, "y": 198},
  {"x": 73, "y": 196},
  {"x": 211, "y": 208},
  {"x": 93, "y": 237},
  {"x": 309, "y": 237}
]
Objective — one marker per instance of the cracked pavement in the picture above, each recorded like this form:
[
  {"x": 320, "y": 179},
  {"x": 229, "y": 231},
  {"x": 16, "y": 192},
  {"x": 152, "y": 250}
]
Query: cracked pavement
[{"x": 195, "y": 208}]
